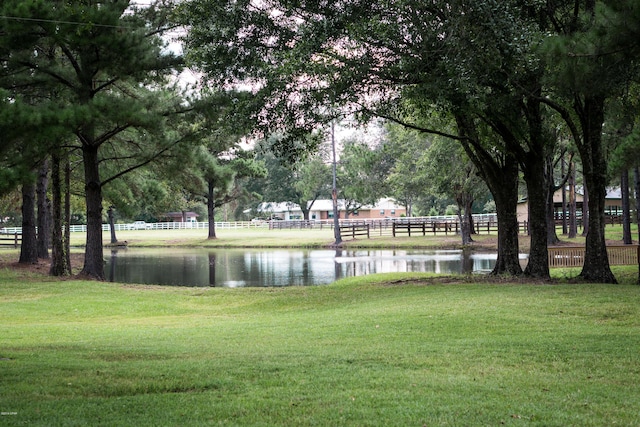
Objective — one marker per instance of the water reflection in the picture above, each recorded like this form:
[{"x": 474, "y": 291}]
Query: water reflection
[{"x": 294, "y": 267}]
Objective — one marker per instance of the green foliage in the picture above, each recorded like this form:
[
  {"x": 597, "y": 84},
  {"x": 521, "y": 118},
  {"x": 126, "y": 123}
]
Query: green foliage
[
  {"x": 489, "y": 207},
  {"x": 450, "y": 172},
  {"x": 301, "y": 181},
  {"x": 363, "y": 171},
  {"x": 406, "y": 179}
]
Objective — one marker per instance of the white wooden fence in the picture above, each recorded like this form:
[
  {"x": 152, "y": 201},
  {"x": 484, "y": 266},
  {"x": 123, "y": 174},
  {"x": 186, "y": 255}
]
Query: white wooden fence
[
  {"x": 155, "y": 226},
  {"x": 375, "y": 224}
]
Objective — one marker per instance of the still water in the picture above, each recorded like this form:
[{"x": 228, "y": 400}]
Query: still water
[{"x": 286, "y": 267}]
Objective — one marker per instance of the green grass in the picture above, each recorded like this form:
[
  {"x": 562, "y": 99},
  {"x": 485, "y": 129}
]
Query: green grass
[
  {"x": 310, "y": 238},
  {"x": 382, "y": 350},
  {"x": 377, "y": 350},
  {"x": 265, "y": 238}
]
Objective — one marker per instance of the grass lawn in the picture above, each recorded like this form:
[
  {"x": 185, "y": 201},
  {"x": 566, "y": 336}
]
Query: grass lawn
[
  {"x": 265, "y": 238},
  {"x": 379, "y": 350},
  {"x": 314, "y": 238}
]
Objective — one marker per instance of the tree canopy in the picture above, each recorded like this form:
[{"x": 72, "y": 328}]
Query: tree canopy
[{"x": 502, "y": 69}]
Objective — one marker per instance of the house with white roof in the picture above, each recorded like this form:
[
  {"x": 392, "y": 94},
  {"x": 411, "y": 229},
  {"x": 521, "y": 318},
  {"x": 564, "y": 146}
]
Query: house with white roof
[
  {"x": 323, "y": 209},
  {"x": 613, "y": 203}
]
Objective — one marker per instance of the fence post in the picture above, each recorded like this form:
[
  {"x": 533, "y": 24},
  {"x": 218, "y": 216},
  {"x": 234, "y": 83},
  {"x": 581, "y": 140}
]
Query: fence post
[{"x": 15, "y": 237}]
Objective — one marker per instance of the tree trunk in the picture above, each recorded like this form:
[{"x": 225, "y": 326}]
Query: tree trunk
[
  {"x": 626, "y": 208},
  {"x": 552, "y": 235},
  {"x": 67, "y": 213},
  {"x": 336, "y": 216},
  {"x": 596, "y": 260},
  {"x": 112, "y": 225},
  {"x": 636, "y": 185},
  {"x": 464, "y": 207},
  {"x": 305, "y": 210},
  {"x": 59, "y": 266},
  {"x": 501, "y": 176},
  {"x": 564, "y": 203},
  {"x": 469, "y": 214},
  {"x": 585, "y": 209},
  {"x": 537, "y": 190},
  {"x": 573, "y": 214},
  {"x": 94, "y": 257},
  {"x": 505, "y": 194},
  {"x": 44, "y": 211},
  {"x": 29, "y": 247},
  {"x": 211, "y": 211}
]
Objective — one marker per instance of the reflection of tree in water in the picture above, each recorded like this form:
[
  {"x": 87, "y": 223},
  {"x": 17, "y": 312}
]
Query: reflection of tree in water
[
  {"x": 112, "y": 265},
  {"x": 212, "y": 269},
  {"x": 337, "y": 265},
  {"x": 467, "y": 261},
  {"x": 281, "y": 267}
]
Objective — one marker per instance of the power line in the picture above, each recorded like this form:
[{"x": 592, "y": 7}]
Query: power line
[{"x": 54, "y": 21}]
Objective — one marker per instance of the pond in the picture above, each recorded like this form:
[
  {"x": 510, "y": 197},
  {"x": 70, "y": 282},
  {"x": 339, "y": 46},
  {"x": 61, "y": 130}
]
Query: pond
[{"x": 279, "y": 267}]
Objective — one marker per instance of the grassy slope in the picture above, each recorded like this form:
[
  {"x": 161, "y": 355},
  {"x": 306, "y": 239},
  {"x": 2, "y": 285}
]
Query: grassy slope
[{"x": 365, "y": 351}]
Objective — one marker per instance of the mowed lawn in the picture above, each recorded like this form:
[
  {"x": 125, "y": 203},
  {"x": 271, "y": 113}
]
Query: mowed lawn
[
  {"x": 288, "y": 238},
  {"x": 387, "y": 350}
]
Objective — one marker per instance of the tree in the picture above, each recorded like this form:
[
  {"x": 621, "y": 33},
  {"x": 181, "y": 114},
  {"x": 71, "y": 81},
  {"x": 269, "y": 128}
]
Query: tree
[
  {"x": 301, "y": 181},
  {"x": 43, "y": 210},
  {"x": 403, "y": 60},
  {"x": 590, "y": 64},
  {"x": 450, "y": 172},
  {"x": 499, "y": 170},
  {"x": 358, "y": 49},
  {"x": 60, "y": 251},
  {"x": 622, "y": 136},
  {"x": 311, "y": 182},
  {"x": 363, "y": 172},
  {"x": 29, "y": 246},
  {"x": 106, "y": 81},
  {"x": 406, "y": 180},
  {"x": 219, "y": 176}
]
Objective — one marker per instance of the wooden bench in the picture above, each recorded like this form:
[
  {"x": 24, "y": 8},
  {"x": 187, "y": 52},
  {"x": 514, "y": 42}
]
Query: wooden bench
[
  {"x": 353, "y": 230},
  {"x": 573, "y": 256}
]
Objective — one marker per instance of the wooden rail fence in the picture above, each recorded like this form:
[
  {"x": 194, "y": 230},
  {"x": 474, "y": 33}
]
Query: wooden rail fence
[
  {"x": 353, "y": 230},
  {"x": 10, "y": 240},
  {"x": 422, "y": 227},
  {"x": 573, "y": 256}
]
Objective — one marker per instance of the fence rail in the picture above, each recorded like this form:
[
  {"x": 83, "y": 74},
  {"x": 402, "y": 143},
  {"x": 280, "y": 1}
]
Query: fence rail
[
  {"x": 8, "y": 240},
  {"x": 155, "y": 226},
  {"x": 483, "y": 223},
  {"x": 353, "y": 230}
]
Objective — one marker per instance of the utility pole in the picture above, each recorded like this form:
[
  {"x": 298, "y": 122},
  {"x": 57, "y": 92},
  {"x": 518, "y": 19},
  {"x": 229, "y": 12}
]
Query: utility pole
[{"x": 334, "y": 190}]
